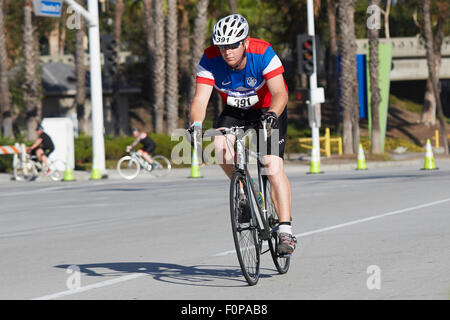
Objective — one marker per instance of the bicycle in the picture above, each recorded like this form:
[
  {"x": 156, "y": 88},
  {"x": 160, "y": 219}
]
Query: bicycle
[
  {"x": 27, "y": 167},
  {"x": 249, "y": 234},
  {"x": 130, "y": 165}
]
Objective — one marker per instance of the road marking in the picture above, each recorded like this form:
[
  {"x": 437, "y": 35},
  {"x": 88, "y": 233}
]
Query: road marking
[
  {"x": 91, "y": 286},
  {"x": 350, "y": 223},
  {"x": 304, "y": 234}
]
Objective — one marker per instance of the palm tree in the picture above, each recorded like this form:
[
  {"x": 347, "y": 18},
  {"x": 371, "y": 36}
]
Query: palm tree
[
  {"x": 429, "y": 107},
  {"x": 5, "y": 99},
  {"x": 160, "y": 58},
  {"x": 32, "y": 79},
  {"x": 150, "y": 41},
  {"x": 432, "y": 70},
  {"x": 172, "y": 66},
  {"x": 233, "y": 6},
  {"x": 184, "y": 56},
  {"x": 120, "y": 117},
  {"x": 349, "y": 85},
  {"x": 80, "y": 70},
  {"x": 198, "y": 44},
  {"x": 332, "y": 61},
  {"x": 375, "y": 97}
]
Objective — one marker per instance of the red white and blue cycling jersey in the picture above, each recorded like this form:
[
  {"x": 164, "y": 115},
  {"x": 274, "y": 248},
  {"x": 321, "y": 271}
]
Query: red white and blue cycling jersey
[{"x": 246, "y": 88}]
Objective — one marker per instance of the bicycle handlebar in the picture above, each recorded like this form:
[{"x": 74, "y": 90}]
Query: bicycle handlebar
[{"x": 234, "y": 130}]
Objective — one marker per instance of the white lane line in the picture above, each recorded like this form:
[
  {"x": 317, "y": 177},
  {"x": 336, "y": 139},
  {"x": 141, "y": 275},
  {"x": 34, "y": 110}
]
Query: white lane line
[
  {"x": 304, "y": 234},
  {"x": 91, "y": 286},
  {"x": 350, "y": 223}
]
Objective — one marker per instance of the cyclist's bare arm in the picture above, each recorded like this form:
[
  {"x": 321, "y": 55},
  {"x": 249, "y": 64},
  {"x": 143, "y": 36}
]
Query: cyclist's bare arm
[
  {"x": 36, "y": 144},
  {"x": 279, "y": 94},
  {"x": 200, "y": 102}
]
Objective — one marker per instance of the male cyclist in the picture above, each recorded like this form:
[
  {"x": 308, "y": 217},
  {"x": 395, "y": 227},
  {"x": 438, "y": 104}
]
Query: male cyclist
[
  {"x": 43, "y": 146},
  {"x": 249, "y": 77},
  {"x": 148, "y": 145}
]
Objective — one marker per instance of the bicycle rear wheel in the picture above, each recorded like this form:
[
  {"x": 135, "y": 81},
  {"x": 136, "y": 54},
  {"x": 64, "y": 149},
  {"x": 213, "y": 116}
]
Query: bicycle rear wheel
[
  {"x": 24, "y": 170},
  {"x": 245, "y": 234},
  {"x": 162, "y": 166},
  {"x": 57, "y": 168},
  {"x": 281, "y": 262},
  {"x": 128, "y": 167}
]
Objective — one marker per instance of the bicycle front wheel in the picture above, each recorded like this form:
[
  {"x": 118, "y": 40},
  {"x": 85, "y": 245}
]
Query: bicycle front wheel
[
  {"x": 162, "y": 166},
  {"x": 245, "y": 232},
  {"x": 57, "y": 168},
  {"x": 24, "y": 170},
  {"x": 128, "y": 167},
  {"x": 281, "y": 262}
]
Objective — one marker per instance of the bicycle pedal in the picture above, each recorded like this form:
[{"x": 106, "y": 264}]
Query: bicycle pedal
[{"x": 287, "y": 255}]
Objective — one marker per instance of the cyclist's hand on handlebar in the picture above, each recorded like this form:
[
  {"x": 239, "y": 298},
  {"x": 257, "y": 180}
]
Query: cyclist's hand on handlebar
[
  {"x": 271, "y": 119},
  {"x": 128, "y": 148},
  {"x": 195, "y": 130}
]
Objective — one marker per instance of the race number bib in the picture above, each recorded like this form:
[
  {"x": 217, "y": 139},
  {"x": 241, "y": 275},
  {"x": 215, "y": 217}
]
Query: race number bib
[{"x": 242, "y": 101}]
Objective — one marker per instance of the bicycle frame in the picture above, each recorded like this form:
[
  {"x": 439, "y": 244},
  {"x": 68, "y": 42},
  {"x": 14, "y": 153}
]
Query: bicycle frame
[
  {"x": 241, "y": 164},
  {"x": 142, "y": 162}
]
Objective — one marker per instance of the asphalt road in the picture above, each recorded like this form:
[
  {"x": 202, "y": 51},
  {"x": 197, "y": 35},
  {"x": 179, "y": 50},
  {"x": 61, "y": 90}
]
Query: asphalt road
[{"x": 377, "y": 234}]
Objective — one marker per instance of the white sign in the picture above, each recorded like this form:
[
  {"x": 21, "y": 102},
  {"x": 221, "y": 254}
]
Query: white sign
[{"x": 47, "y": 8}]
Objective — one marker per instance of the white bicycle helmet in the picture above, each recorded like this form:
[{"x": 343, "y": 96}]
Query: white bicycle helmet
[{"x": 230, "y": 30}]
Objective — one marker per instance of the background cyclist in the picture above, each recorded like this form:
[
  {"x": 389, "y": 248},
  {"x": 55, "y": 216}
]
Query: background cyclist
[
  {"x": 148, "y": 145},
  {"x": 249, "y": 77},
  {"x": 42, "y": 147}
]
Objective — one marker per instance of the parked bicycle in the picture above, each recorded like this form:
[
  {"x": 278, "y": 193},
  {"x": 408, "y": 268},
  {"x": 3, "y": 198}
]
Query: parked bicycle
[
  {"x": 250, "y": 231},
  {"x": 130, "y": 165},
  {"x": 26, "y": 167}
]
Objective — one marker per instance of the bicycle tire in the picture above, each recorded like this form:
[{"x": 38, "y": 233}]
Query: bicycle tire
[
  {"x": 24, "y": 170},
  {"x": 245, "y": 235},
  {"x": 57, "y": 168},
  {"x": 162, "y": 167},
  {"x": 128, "y": 167},
  {"x": 281, "y": 262}
]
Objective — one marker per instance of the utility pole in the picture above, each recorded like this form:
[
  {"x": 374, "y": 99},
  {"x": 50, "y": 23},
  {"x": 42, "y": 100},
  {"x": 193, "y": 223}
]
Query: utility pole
[
  {"x": 317, "y": 96},
  {"x": 98, "y": 143}
]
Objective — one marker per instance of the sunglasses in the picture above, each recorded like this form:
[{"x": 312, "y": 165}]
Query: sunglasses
[{"x": 230, "y": 46}]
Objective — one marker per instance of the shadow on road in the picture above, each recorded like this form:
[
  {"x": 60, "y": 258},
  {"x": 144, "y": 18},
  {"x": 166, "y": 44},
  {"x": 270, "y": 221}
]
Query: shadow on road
[{"x": 199, "y": 275}]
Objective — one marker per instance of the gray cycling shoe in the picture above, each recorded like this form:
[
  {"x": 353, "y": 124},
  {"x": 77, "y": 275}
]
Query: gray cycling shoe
[{"x": 287, "y": 244}]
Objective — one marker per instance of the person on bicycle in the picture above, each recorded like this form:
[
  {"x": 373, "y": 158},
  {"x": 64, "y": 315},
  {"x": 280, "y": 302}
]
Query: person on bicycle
[
  {"x": 148, "y": 145},
  {"x": 42, "y": 147},
  {"x": 248, "y": 75}
]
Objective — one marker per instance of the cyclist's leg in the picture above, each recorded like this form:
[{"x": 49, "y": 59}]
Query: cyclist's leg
[
  {"x": 224, "y": 146},
  {"x": 280, "y": 187},
  {"x": 145, "y": 154}
]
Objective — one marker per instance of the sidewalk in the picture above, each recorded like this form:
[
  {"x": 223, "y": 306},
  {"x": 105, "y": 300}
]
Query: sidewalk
[{"x": 291, "y": 166}]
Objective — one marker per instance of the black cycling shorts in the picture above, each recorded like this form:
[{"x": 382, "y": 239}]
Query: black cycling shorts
[{"x": 232, "y": 116}]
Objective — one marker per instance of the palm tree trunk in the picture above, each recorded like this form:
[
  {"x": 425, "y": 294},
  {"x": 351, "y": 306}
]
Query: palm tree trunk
[
  {"x": 184, "y": 57},
  {"x": 375, "y": 97},
  {"x": 119, "y": 118},
  {"x": 31, "y": 94},
  {"x": 150, "y": 40},
  {"x": 233, "y": 6},
  {"x": 80, "y": 70},
  {"x": 348, "y": 101},
  {"x": 332, "y": 61},
  {"x": 198, "y": 44},
  {"x": 159, "y": 66},
  {"x": 172, "y": 66},
  {"x": 429, "y": 106},
  {"x": 431, "y": 62},
  {"x": 5, "y": 98}
]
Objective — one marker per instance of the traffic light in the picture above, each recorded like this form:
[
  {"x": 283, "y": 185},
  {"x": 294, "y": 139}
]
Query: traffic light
[
  {"x": 305, "y": 54},
  {"x": 110, "y": 55}
]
